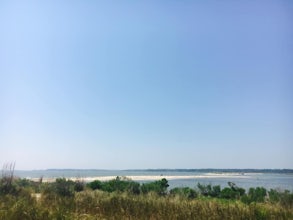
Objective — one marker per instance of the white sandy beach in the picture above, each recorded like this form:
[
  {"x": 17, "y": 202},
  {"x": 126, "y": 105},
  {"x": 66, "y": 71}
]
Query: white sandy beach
[{"x": 149, "y": 178}]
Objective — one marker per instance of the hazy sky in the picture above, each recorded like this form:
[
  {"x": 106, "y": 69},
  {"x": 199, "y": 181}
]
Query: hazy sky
[{"x": 146, "y": 84}]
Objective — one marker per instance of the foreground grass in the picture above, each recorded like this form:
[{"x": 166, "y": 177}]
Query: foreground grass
[
  {"x": 103, "y": 205},
  {"x": 120, "y": 198},
  {"x": 154, "y": 207}
]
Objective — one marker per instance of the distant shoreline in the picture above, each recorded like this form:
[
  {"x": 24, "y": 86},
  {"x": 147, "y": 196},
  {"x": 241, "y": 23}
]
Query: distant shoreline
[
  {"x": 146, "y": 177},
  {"x": 205, "y": 170}
]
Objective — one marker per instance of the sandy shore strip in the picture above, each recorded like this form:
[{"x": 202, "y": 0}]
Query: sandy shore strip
[{"x": 144, "y": 178}]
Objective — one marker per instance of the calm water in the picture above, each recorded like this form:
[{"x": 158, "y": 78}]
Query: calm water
[{"x": 245, "y": 180}]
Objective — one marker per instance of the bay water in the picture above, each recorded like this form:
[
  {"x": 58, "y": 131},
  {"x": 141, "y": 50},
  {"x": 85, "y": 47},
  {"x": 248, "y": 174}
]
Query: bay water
[{"x": 176, "y": 178}]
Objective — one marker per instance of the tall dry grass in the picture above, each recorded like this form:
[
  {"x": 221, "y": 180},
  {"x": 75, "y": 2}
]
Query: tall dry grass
[{"x": 63, "y": 200}]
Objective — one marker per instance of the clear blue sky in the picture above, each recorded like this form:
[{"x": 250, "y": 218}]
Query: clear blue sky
[{"x": 146, "y": 84}]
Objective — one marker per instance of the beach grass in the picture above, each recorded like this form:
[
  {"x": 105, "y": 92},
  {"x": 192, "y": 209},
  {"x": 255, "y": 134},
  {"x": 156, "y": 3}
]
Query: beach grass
[{"x": 113, "y": 199}]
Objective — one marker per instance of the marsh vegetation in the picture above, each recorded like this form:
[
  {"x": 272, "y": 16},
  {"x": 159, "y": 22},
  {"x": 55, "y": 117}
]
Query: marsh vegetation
[{"x": 122, "y": 198}]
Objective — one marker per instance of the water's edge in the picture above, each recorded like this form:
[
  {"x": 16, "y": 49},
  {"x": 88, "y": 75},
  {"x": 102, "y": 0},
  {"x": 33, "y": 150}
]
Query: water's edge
[{"x": 246, "y": 178}]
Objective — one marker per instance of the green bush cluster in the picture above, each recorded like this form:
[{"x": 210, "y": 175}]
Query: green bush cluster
[
  {"x": 119, "y": 184},
  {"x": 257, "y": 194},
  {"x": 160, "y": 187},
  {"x": 63, "y": 187},
  {"x": 16, "y": 186},
  {"x": 231, "y": 192},
  {"x": 184, "y": 192},
  {"x": 209, "y": 190}
]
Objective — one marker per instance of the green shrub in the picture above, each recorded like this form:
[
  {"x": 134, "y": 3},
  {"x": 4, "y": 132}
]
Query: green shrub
[
  {"x": 119, "y": 184},
  {"x": 234, "y": 192},
  {"x": 184, "y": 192},
  {"x": 257, "y": 194},
  {"x": 133, "y": 188},
  {"x": 274, "y": 195},
  {"x": 216, "y": 191},
  {"x": 62, "y": 187},
  {"x": 287, "y": 199},
  {"x": 204, "y": 190},
  {"x": 209, "y": 190},
  {"x": 228, "y": 193},
  {"x": 96, "y": 184},
  {"x": 8, "y": 186},
  {"x": 78, "y": 186},
  {"x": 160, "y": 187}
]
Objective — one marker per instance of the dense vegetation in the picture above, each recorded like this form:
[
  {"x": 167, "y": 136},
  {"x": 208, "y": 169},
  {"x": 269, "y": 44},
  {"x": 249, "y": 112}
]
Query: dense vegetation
[{"x": 123, "y": 198}]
